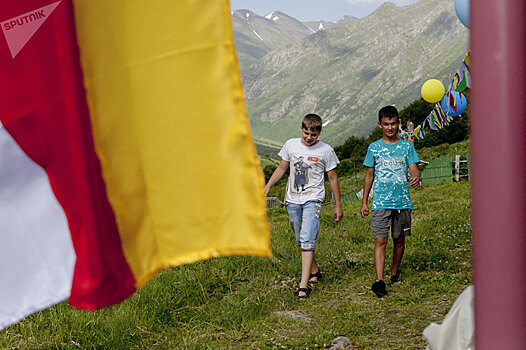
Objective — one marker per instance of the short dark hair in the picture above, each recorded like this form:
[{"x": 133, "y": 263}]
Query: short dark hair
[
  {"x": 311, "y": 122},
  {"x": 387, "y": 111}
]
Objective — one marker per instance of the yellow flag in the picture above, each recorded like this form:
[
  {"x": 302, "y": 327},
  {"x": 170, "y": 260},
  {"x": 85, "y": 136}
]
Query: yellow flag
[{"x": 171, "y": 131}]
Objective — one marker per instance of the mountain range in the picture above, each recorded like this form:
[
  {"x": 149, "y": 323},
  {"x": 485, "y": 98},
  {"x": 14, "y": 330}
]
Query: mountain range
[
  {"x": 255, "y": 36},
  {"x": 346, "y": 70}
]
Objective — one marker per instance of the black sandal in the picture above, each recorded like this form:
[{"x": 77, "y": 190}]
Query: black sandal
[
  {"x": 396, "y": 278},
  {"x": 303, "y": 290},
  {"x": 317, "y": 275}
]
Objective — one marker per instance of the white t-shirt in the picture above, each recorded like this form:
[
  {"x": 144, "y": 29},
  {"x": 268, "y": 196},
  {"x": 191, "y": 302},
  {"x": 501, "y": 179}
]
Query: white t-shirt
[{"x": 307, "y": 166}]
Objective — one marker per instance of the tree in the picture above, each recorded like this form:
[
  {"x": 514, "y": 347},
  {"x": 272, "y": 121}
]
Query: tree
[
  {"x": 419, "y": 110},
  {"x": 353, "y": 146},
  {"x": 354, "y": 149},
  {"x": 375, "y": 135},
  {"x": 416, "y": 112},
  {"x": 268, "y": 171}
]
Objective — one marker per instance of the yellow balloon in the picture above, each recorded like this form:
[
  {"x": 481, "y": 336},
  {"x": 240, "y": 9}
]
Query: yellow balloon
[{"x": 433, "y": 90}]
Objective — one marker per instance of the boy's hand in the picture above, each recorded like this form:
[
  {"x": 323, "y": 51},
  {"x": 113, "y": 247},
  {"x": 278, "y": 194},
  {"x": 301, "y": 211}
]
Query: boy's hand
[
  {"x": 266, "y": 190},
  {"x": 338, "y": 214},
  {"x": 364, "y": 211},
  {"x": 414, "y": 175},
  {"x": 414, "y": 181}
]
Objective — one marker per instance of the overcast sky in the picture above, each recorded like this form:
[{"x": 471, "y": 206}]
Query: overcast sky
[{"x": 308, "y": 10}]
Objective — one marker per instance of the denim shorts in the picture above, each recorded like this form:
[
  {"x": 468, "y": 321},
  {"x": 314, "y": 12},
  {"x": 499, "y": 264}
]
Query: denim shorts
[
  {"x": 305, "y": 222},
  {"x": 398, "y": 220}
]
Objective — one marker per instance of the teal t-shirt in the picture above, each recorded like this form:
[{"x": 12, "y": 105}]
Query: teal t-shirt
[{"x": 390, "y": 162}]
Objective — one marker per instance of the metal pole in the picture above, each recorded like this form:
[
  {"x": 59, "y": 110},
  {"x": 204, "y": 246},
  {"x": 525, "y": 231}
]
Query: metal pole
[{"x": 498, "y": 148}]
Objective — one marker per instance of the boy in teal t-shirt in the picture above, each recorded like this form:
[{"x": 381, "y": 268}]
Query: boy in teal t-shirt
[{"x": 387, "y": 162}]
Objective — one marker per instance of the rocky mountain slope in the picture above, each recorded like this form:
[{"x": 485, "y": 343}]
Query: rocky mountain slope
[
  {"x": 347, "y": 72},
  {"x": 255, "y": 35}
]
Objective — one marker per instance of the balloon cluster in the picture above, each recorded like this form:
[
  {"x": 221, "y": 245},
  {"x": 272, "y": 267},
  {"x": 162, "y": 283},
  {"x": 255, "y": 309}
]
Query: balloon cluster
[{"x": 453, "y": 103}]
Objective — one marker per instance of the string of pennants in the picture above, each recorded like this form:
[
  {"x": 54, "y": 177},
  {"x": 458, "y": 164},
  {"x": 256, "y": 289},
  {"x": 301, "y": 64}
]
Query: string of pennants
[{"x": 452, "y": 104}]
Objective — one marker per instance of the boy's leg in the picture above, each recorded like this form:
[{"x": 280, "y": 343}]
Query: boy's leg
[
  {"x": 314, "y": 270},
  {"x": 381, "y": 223},
  {"x": 307, "y": 256},
  {"x": 400, "y": 229},
  {"x": 296, "y": 222},
  {"x": 398, "y": 253},
  {"x": 379, "y": 257},
  {"x": 314, "y": 267},
  {"x": 310, "y": 228}
]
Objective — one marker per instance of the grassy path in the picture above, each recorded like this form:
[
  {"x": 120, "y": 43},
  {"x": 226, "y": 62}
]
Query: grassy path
[{"x": 248, "y": 303}]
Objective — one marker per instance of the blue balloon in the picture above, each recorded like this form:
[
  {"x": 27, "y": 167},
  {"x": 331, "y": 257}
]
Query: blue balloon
[
  {"x": 462, "y": 10},
  {"x": 454, "y": 103}
]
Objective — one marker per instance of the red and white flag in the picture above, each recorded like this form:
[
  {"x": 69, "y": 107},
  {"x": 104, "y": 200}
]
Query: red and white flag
[{"x": 124, "y": 149}]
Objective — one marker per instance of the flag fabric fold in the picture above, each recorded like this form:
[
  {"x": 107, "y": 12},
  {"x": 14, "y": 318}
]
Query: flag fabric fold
[
  {"x": 37, "y": 269},
  {"x": 133, "y": 113}
]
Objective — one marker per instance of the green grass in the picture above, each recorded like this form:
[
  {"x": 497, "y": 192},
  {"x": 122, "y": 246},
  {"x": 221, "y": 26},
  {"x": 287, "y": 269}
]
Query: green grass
[
  {"x": 264, "y": 161},
  {"x": 248, "y": 303},
  {"x": 460, "y": 148}
]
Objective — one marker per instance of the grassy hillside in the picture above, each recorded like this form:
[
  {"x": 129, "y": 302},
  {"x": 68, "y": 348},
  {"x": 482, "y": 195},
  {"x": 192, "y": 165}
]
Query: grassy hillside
[
  {"x": 264, "y": 161},
  {"x": 267, "y": 147},
  {"x": 444, "y": 150},
  {"x": 249, "y": 303}
]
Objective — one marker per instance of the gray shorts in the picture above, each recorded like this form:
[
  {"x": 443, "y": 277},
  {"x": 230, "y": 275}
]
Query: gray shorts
[{"x": 398, "y": 220}]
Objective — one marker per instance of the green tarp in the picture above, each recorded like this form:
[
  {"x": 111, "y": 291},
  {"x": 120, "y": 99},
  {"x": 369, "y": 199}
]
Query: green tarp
[{"x": 439, "y": 170}]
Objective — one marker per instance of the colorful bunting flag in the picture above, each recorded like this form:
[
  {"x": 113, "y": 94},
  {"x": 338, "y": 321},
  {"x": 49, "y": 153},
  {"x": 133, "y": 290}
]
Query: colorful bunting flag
[
  {"x": 430, "y": 123},
  {"x": 124, "y": 149},
  {"x": 467, "y": 61},
  {"x": 422, "y": 133},
  {"x": 450, "y": 98},
  {"x": 438, "y": 118},
  {"x": 462, "y": 78},
  {"x": 402, "y": 133},
  {"x": 419, "y": 132},
  {"x": 463, "y": 84},
  {"x": 444, "y": 119}
]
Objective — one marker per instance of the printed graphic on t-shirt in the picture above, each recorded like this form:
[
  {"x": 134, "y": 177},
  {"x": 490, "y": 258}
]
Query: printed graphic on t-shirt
[
  {"x": 391, "y": 170},
  {"x": 390, "y": 163},
  {"x": 392, "y": 175},
  {"x": 301, "y": 174},
  {"x": 306, "y": 173}
]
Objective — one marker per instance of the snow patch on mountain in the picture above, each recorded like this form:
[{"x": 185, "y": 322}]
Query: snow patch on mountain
[{"x": 260, "y": 38}]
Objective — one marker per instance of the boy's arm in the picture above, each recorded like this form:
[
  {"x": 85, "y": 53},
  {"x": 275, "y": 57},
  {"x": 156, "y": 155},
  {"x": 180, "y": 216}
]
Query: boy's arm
[
  {"x": 335, "y": 188},
  {"x": 367, "y": 184},
  {"x": 414, "y": 181},
  {"x": 277, "y": 175}
]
